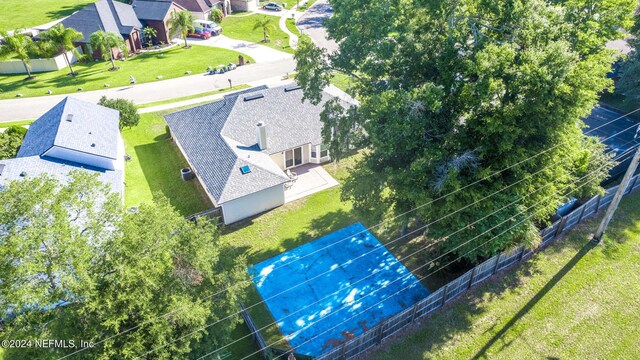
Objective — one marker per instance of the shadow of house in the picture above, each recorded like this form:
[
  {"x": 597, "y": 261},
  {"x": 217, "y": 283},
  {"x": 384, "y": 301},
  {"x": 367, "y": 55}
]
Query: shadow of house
[{"x": 109, "y": 16}]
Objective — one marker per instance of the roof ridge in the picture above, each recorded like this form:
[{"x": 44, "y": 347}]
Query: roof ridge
[{"x": 64, "y": 103}]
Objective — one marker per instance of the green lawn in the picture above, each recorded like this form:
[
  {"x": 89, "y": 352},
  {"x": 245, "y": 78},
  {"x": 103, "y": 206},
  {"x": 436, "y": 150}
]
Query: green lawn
[
  {"x": 307, "y": 5},
  {"x": 572, "y": 301},
  {"x": 291, "y": 25},
  {"x": 341, "y": 81},
  {"x": 199, "y": 95},
  {"x": 241, "y": 28},
  {"x": 145, "y": 68},
  {"x": 155, "y": 167},
  {"x": 15, "y": 14},
  {"x": 17, "y": 123}
]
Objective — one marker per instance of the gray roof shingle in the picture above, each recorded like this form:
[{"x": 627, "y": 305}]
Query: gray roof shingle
[
  {"x": 93, "y": 129},
  {"x": 220, "y": 137},
  {"x": 106, "y": 15},
  {"x": 151, "y": 10}
]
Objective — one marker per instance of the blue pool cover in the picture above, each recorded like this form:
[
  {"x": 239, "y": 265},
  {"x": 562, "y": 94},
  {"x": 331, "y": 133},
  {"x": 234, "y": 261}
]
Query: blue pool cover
[{"x": 318, "y": 309}]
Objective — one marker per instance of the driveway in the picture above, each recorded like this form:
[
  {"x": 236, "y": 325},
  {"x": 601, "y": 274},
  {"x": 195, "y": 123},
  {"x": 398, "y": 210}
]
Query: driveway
[
  {"x": 312, "y": 24},
  {"x": 32, "y": 108},
  {"x": 259, "y": 53}
]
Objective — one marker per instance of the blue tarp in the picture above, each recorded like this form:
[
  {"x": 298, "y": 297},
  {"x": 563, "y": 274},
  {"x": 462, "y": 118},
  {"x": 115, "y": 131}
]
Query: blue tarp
[{"x": 318, "y": 311}]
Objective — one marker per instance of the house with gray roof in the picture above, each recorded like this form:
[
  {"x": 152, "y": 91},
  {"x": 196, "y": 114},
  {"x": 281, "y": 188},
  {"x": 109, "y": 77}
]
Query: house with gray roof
[
  {"x": 241, "y": 148},
  {"x": 109, "y": 16},
  {"x": 73, "y": 135}
]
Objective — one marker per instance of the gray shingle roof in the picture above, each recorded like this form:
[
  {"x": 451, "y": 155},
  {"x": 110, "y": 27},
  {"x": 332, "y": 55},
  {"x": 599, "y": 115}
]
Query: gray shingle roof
[
  {"x": 220, "y": 137},
  {"x": 290, "y": 122},
  {"x": 90, "y": 124},
  {"x": 151, "y": 10},
  {"x": 33, "y": 166},
  {"x": 216, "y": 160},
  {"x": 107, "y": 15}
]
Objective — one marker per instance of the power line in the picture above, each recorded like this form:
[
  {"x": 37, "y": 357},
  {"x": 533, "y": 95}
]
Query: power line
[
  {"x": 372, "y": 227},
  {"x": 362, "y": 279},
  {"x": 397, "y": 292}
]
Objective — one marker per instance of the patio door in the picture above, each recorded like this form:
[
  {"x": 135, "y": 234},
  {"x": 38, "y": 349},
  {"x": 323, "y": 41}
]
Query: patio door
[{"x": 293, "y": 157}]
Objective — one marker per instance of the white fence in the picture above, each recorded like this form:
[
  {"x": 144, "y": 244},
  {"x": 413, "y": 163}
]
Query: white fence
[{"x": 37, "y": 65}]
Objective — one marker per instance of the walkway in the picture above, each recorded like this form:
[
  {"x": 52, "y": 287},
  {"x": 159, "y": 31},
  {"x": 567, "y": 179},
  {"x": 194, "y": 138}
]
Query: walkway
[
  {"x": 259, "y": 53},
  {"x": 34, "y": 107}
]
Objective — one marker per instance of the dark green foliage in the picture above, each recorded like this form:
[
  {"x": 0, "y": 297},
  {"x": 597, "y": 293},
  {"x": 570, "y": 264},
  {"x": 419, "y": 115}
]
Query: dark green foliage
[
  {"x": 129, "y": 116},
  {"x": 117, "y": 269},
  {"x": 10, "y": 141},
  {"x": 216, "y": 15},
  {"x": 452, "y": 91}
]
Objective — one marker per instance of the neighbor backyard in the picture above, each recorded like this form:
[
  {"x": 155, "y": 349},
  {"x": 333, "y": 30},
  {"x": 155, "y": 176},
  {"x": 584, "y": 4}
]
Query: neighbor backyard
[{"x": 241, "y": 27}]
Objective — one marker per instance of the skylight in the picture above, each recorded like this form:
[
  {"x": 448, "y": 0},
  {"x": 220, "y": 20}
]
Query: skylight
[{"x": 245, "y": 169}]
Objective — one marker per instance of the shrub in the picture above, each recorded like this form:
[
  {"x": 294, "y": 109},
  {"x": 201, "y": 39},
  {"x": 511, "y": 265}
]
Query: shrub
[
  {"x": 10, "y": 142},
  {"x": 216, "y": 15},
  {"x": 129, "y": 116}
]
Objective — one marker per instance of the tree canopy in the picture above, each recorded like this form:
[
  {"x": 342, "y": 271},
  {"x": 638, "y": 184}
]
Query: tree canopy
[
  {"x": 20, "y": 45},
  {"x": 105, "y": 42},
  {"x": 10, "y": 141},
  {"x": 452, "y": 91},
  {"x": 73, "y": 270},
  {"x": 62, "y": 40},
  {"x": 181, "y": 23},
  {"x": 129, "y": 116}
]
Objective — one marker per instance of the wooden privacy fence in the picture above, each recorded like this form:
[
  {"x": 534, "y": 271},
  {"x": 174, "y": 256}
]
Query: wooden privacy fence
[{"x": 483, "y": 271}]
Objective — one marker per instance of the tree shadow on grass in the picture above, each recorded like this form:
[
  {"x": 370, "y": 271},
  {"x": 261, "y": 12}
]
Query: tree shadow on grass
[
  {"x": 63, "y": 11},
  {"x": 482, "y": 353}
]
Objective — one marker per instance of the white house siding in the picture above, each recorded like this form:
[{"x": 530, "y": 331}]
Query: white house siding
[
  {"x": 278, "y": 158},
  {"x": 201, "y": 15},
  {"x": 253, "y": 204},
  {"x": 81, "y": 158}
]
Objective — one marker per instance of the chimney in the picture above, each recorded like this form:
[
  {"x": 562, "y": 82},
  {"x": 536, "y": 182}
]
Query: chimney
[{"x": 262, "y": 135}]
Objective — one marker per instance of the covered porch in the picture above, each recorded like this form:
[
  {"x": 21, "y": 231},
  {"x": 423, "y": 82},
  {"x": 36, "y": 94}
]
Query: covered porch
[{"x": 307, "y": 179}]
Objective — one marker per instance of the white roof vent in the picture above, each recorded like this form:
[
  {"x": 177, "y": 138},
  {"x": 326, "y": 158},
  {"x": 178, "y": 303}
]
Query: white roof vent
[{"x": 70, "y": 117}]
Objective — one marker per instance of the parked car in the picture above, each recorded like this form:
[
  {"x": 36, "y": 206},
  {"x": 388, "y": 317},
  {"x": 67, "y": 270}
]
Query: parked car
[
  {"x": 208, "y": 26},
  {"x": 198, "y": 33},
  {"x": 272, "y": 6}
]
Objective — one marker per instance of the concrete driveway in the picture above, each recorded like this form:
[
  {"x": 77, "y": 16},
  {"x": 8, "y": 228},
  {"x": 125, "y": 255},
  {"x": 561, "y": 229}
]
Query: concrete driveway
[
  {"x": 259, "y": 53},
  {"x": 312, "y": 24}
]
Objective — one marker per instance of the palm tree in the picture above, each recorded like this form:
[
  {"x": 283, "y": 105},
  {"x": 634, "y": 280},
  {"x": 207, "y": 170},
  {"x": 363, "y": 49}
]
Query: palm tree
[
  {"x": 149, "y": 33},
  {"x": 266, "y": 24},
  {"x": 18, "y": 44},
  {"x": 106, "y": 42},
  {"x": 182, "y": 22},
  {"x": 62, "y": 40}
]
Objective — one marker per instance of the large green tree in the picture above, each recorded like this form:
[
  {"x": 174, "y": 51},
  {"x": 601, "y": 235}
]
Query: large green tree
[
  {"x": 451, "y": 91},
  {"x": 62, "y": 40},
  {"x": 18, "y": 44},
  {"x": 129, "y": 116},
  {"x": 113, "y": 270},
  {"x": 105, "y": 42}
]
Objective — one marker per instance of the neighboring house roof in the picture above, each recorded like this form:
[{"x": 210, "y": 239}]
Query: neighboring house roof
[
  {"x": 197, "y": 5},
  {"x": 152, "y": 10},
  {"x": 90, "y": 124},
  {"x": 106, "y": 15},
  {"x": 33, "y": 166},
  {"x": 219, "y": 138},
  {"x": 76, "y": 125}
]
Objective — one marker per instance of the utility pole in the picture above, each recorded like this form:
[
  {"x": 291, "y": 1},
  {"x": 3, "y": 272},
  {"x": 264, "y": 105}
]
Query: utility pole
[{"x": 616, "y": 199}]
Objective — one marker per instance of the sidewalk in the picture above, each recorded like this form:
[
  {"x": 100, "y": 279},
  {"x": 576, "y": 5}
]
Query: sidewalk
[{"x": 34, "y": 107}]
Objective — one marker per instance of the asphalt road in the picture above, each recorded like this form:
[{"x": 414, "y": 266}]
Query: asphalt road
[{"x": 312, "y": 24}]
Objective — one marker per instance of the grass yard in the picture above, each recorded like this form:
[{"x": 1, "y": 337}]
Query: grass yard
[
  {"x": 241, "y": 28},
  {"x": 199, "y": 95},
  {"x": 155, "y": 168},
  {"x": 17, "y": 14},
  {"x": 572, "y": 301},
  {"x": 291, "y": 25},
  {"x": 169, "y": 64},
  {"x": 15, "y": 123},
  {"x": 307, "y": 5}
]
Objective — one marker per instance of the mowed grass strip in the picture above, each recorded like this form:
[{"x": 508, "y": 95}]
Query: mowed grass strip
[
  {"x": 155, "y": 166},
  {"x": 20, "y": 14},
  {"x": 146, "y": 67},
  {"x": 571, "y": 301},
  {"x": 241, "y": 28}
]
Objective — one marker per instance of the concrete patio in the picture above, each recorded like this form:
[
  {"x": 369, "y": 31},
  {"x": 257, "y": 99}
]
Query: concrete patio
[{"x": 312, "y": 178}]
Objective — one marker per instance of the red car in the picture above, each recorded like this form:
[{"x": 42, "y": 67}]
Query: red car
[{"x": 199, "y": 34}]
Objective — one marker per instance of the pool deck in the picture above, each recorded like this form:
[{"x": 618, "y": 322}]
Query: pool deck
[{"x": 327, "y": 291}]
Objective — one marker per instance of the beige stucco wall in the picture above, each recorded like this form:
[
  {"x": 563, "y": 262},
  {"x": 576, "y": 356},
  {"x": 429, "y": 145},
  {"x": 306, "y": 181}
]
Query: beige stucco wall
[{"x": 37, "y": 65}]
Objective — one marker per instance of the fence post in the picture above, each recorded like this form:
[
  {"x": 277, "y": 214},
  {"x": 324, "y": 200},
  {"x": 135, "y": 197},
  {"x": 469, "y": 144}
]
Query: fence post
[
  {"x": 343, "y": 352},
  {"x": 413, "y": 313},
  {"x": 444, "y": 294},
  {"x": 521, "y": 255},
  {"x": 563, "y": 222},
  {"x": 379, "y": 334},
  {"x": 598, "y": 203},
  {"x": 495, "y": 268},
  {"x": 474, "y": 272},
  {"x": 584, "y": 206}
]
